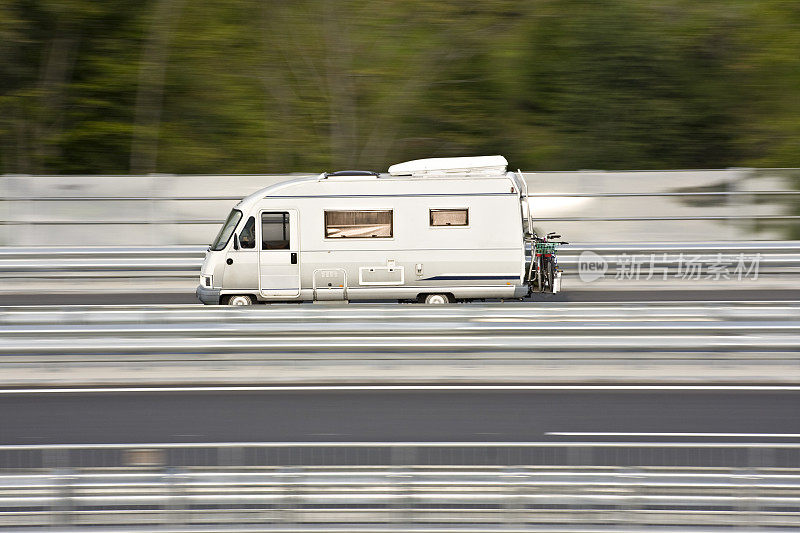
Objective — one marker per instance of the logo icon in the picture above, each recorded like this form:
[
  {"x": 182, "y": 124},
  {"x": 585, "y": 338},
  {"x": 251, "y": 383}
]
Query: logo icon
[{"x": 591, "y": 267}]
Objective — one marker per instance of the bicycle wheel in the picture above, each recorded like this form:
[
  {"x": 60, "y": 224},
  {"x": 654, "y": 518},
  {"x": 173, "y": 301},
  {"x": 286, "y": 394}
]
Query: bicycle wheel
[{"x": 551, "y": 274}]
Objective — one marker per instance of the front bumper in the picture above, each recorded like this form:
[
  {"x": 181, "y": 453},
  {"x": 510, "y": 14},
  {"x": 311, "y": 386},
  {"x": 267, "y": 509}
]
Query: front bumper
[{"x": 207, "y": 296}]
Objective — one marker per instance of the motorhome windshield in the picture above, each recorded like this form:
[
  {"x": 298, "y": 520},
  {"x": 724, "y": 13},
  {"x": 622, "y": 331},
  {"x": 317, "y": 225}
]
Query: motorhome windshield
[{"x": 227, "y": 230}]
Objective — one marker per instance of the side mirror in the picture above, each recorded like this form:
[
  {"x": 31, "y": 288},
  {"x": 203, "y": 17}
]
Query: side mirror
[{"x": 235, "y": 242}]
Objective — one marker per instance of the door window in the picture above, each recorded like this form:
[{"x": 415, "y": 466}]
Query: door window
[
  {"x": 275, "y": 231},
  {"x": 247, "y": 238}
]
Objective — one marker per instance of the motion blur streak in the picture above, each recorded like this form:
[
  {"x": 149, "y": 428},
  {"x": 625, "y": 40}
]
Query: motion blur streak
[
  {"x": 176, "y": 213},
  {"x": 168, "y": 274},
  {"x": 744, "y": 343},
  {"x": 403, "y": 497},
  {"x": 92, "y": 87}
]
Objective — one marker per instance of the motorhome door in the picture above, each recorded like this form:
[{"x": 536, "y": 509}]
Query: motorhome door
[{"x": 278, "y": 258}]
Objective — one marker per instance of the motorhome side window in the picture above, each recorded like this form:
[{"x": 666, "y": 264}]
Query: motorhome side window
[
  {"x": 450, "y": 217},
  {"x": 275, "y": 231},
  {"x": 247, "y": 238},
  {"x": 358, "y": 224}
]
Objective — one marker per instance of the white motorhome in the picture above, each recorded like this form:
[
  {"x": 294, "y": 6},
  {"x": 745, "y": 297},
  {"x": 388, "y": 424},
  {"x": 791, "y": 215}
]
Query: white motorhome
[{"x": 432, "y": 230}]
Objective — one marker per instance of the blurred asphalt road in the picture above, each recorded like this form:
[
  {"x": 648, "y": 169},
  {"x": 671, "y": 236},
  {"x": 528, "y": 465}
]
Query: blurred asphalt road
[{"x": 385, "y": 415}]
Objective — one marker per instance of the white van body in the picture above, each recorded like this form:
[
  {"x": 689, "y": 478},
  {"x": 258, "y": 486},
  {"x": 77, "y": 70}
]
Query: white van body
[{"x": 451, "y": 227}]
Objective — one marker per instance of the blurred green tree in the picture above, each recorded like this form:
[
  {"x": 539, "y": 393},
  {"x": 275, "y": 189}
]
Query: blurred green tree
[{"x": 269, "y": 86}]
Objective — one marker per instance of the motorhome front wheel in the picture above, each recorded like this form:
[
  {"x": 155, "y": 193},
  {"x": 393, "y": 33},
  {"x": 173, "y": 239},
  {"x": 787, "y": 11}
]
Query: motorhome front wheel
[{"x": 437, "y": 299}]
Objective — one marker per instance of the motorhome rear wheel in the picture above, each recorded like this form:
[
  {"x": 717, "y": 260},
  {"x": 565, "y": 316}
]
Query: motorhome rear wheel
[{"x": 242, "y": 299}]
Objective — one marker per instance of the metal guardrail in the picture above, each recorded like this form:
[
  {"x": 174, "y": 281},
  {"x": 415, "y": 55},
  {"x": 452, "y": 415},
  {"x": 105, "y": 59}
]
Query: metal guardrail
[
  {"x": 505, "y": 343},
  {"x": 304, "y": 499},
  {"x": 711, "y": 194},
  {"x": 171, "y": 209},
  {"x": 371, "y": 333},
  {"x": 150, "y": 200},
  {"x": 241, "y": 485},
  {"x": 773, "y": 257},
  {"x": 214, "y": 221},
  {"x": 676, "y": 455}
]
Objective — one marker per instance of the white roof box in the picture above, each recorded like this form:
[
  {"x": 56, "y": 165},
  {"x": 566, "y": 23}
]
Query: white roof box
[{"x": 487, "y": 165}]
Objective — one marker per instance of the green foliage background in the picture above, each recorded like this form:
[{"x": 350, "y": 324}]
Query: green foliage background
[{"x": 246, "y": 86}]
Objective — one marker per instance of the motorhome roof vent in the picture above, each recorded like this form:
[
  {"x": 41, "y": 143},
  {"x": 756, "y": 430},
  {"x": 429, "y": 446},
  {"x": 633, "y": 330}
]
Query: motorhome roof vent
[
  {"x": 349, "y": 174},
  {"x": 488, "y": 165}
]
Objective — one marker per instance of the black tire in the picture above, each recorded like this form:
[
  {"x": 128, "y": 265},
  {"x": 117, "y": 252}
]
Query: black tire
[
  {"x": 438, "y": 299},
  {"x": 239, "y": 300}
]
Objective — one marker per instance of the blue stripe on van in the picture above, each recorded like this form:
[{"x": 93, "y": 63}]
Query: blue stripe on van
[
  {"x": 421, "y": 195},
  {"x": 470, "y": 277}
]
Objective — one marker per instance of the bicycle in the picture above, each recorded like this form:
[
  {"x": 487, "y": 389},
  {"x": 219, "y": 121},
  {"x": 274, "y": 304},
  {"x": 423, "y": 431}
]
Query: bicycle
[{"x": 546, "y": 261}]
